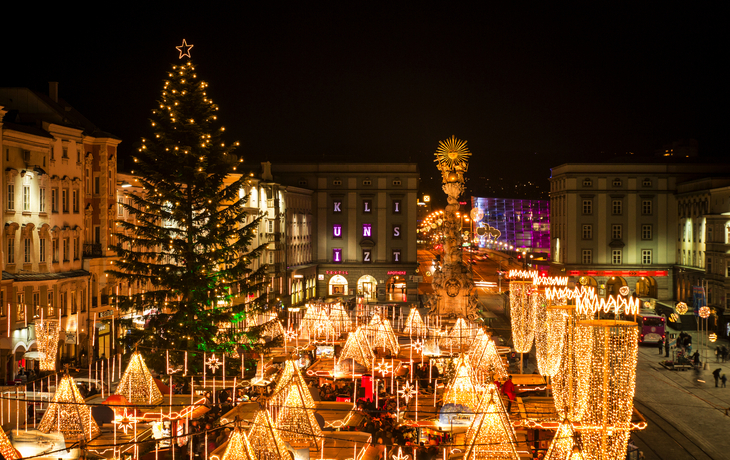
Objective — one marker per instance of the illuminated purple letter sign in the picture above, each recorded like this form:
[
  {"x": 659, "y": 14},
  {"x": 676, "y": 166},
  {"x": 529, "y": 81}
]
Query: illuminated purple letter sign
[
  {"x": 367, "y": 230},
  {"x": 337, "y": 255},
  {"x": 337, "y": 231}
]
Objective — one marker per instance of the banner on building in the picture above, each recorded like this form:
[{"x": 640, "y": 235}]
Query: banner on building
[{"x": 698, "y": 299}]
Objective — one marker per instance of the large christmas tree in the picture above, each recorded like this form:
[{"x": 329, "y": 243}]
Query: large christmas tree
[{"x": 184, "y": 255}]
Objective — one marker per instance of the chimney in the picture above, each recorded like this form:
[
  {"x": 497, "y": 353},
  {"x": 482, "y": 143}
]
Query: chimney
[
  {"x": 266, "y": 171},
  {"x": 53, "y": 90}
]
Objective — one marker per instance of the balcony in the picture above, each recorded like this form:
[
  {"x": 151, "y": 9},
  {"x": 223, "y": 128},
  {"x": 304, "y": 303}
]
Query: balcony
[{"x": 92, "y": 250}]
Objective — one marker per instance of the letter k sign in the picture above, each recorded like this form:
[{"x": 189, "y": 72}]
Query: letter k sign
[{"x": 338, "y": 205}]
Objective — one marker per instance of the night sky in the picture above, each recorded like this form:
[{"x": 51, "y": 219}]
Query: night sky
[{"x": 528, "y": 87}]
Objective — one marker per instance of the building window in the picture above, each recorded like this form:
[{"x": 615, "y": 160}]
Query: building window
[
  {"x": 2, "y": 301},
  {"x": 26, "y": 198},
  {"x": 64, "y": 154},
  {"x": 616, "y": 183},
  {"x": 587, "y": 232},
  {"x": 646, "y": 183},
  {"x": 646, "y": 257},
  {"x": 367, "y": 256},
  {"x": 75, "y": 198},
  {"x": 587, "y": 206},
  {"x": 337, "y": 255},
  {"x": 587, "y": 183},
  {"x": 646, "y": 207},
  {"x": 616, "y": 232},
  {"x": 367, "y": 206},
  {"x": 367, "y": 230},
  {"x": 62, "y": 305},
  {"x": 616, "y": 207},
  {"x": 396, "y": 231},
  {"x": 269, "y": 226},
  {"x": 76, "y": 248},
  {"x": 65, "y": 250},
  {"x": 42, "y": 250},
  {"x": 50, "y": 307},
  {"x": 271, "y": 257},
  {"x": 20, "y": 307},
  {"x": 54, "y": 248},
  {"x": 97, "y": 185},
  {"x": 646, "y": 232},
  {"x": 11, "y": 197},
  {"x": 337, "y": 231},
  {"x": 26, "y": 250},
  {"x": 36, "y": 304},
  {"x": 54, "y": 200},
  {"x": 11, "y": 250},
  {"x": 587, "y": 256},
  {"x": 337, "y": 206},
  {"x": 42, "y": 200},
  {"x": 616, "y": 256},
  {"x": 64, "y": 200},
  {"x": 74, "y": 305},
  {"x": 396, "y": 206},
  {"x": 396, "y": 256}
]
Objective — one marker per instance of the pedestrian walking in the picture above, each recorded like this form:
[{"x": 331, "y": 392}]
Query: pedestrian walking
[
  {"x": 716, "y": 374},
  {"x": 661, "y": 345},
  {"x": 718, "y": 353},
  {"x": 724, "y": 380},
  {"x": 666, "y": 348},
  {"x": 723, "y": 351}
]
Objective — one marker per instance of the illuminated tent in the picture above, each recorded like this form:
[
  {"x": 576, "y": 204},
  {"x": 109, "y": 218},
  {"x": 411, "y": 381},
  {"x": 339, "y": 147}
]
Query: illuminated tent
[
  {"x": 68, "y": 413},
  {"x": 137, "y": 384}
]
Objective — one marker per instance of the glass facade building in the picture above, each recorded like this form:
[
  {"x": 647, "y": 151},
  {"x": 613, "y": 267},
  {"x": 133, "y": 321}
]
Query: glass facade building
[{"x": 522, "y": 223}]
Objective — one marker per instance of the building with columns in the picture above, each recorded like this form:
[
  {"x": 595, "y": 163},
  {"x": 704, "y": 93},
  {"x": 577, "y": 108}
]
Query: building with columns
[
  {"x": 364, "y": 238},
  {"x": 45, "y": 147},
  {"x": 615, "y": 224}
]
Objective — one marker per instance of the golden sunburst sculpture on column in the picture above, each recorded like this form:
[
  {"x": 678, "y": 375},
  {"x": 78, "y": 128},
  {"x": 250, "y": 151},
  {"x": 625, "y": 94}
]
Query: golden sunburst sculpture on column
[{"x": 452, "y": 154}]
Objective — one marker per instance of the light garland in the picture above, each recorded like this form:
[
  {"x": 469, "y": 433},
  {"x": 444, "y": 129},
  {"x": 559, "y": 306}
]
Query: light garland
[
  {"x": 265, "y": 440},
  {"x": 463, "y": 387},
  {"x": 358, "y": 349},
  {"x": 611, "y": 384},
  {"x": 414, "y": 323},
  {"x": 538, "y": 280},
  {"x": 48, "y": 332},
  {"x": 459, "y": 338},
  {"x": 238, "y": 447},
  {"x": 590, "y": 305},
  {"x": 491, "y": 435},
  {"x": 68, "y": 413},
  {"x": 137, "y": 383},
  {"x": 521, "y": 311}
]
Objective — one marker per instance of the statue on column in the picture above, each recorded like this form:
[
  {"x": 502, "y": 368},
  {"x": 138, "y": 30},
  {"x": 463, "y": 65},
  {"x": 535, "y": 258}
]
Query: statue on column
[{"x": 453, "y": 283}]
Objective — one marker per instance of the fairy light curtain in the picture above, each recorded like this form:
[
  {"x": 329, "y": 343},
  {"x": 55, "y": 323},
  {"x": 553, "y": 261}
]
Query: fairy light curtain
[
  {"x": 611, "y": 383},
  {"x": 68, "y": 413},
  {"x": 521, "y": 311},
  {"x": 137, "y": 383},
  {"x": 48, "y": 333},
  {"x": 265, "y": 440},
  {"x": 550, "y": 324},
  {"x": 491, "y": 435},
  {"x": 570, "y": 392}
]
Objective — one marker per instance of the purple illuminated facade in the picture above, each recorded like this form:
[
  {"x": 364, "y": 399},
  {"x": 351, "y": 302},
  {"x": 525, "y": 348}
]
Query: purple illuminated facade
[{"x": 522, "y": 223}]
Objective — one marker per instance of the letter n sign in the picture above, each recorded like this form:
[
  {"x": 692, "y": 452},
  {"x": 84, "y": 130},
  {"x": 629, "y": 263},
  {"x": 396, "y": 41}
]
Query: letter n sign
[
  {"x": 367, "y": 230},
  {"x": 337, "y": 206},
  {"x": 367, "y": 256},
  {"x": 337, "y": 255}
]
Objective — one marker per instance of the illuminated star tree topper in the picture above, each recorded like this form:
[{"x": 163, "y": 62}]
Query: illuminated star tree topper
[{"x": 184, "y": 49}]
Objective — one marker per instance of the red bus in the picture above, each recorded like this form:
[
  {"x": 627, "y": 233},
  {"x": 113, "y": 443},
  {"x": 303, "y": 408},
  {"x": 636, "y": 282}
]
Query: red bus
[{"x": 652, "y": 327}]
